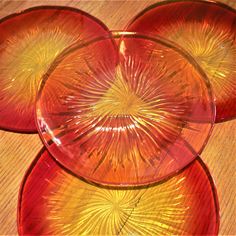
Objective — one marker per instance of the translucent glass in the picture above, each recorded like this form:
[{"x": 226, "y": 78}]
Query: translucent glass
[
  {"x": 54, "y": 202},
  {"x": 29, "y": 42},
  {"x": 127, "y": 115},
  {"x": 205, "y": 29}
]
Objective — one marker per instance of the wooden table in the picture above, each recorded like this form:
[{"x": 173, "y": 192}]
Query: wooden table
[{"x": 18, "y": 150}]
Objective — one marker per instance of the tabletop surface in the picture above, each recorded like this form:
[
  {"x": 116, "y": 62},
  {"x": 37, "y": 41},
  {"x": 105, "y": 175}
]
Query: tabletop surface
[{"x": 17, "y": 151}]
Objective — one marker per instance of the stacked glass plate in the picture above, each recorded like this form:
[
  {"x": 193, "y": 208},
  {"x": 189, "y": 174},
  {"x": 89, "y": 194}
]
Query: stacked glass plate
[{"x": 123, "y": 114}]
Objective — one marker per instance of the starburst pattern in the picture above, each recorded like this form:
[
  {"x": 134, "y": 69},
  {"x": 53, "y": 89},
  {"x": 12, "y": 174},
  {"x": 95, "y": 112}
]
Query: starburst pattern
[
  {"x": 30, "y": 41},
  {"x": 207, "y": 32},
  {"x": 54, "y": 202},
  {"x": 126, "y": 122}
]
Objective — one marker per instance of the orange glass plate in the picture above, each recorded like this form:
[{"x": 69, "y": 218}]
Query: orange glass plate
[
  {"x": 54, "y": 202},
  {"x": 29, "y": 42},
  {"x": 137, "y": 115},
  {"x": 207, "y": 30}
]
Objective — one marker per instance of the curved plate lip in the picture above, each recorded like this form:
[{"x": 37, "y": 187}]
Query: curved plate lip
[
  {"x": 43, "y": 150},
  {"x": 34, "y": 10},
  {"x": 170, "y": 2},
  {"x": 120, "y": 35}
]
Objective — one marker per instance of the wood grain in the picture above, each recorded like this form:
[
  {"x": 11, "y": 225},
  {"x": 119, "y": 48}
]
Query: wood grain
[{"x": 18, "y": 150}]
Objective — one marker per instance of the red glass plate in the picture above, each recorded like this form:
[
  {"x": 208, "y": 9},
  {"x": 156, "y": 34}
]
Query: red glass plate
[
  {"x": 54, "y": 202},
  {"x": 29, "y": 42},
  {"x": 207, "y": 30},
  {"x": 131, "y": 120}
]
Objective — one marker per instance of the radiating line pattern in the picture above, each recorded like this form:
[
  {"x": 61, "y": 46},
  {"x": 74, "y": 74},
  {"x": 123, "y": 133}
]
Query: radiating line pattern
[
  {"x": 54, "y": 202},
  {"x": 207, "y": 31},
  {"x": 128, "y": 122},
  {"x": 29, "y": 42}
]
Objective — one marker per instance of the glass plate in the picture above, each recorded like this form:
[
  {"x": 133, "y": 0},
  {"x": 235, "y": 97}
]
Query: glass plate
[
  {"x": 54, "y": 202},
  {"x": 207, "y": 30},
  {"x": 29, "y": 42},
  {"x": 130, "y": 115}
]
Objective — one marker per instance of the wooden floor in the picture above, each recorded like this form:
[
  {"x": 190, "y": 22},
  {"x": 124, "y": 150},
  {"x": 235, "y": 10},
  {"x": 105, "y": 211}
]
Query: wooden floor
[{"x": 18, "y": 150}]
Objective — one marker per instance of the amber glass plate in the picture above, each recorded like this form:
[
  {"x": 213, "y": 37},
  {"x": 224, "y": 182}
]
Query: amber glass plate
[
  {"x": 207, "y": 30},
  {"x": 29, "y": 42},
  {"x": 54, "y": 202},
  {"x": 130, "y": 115}
]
